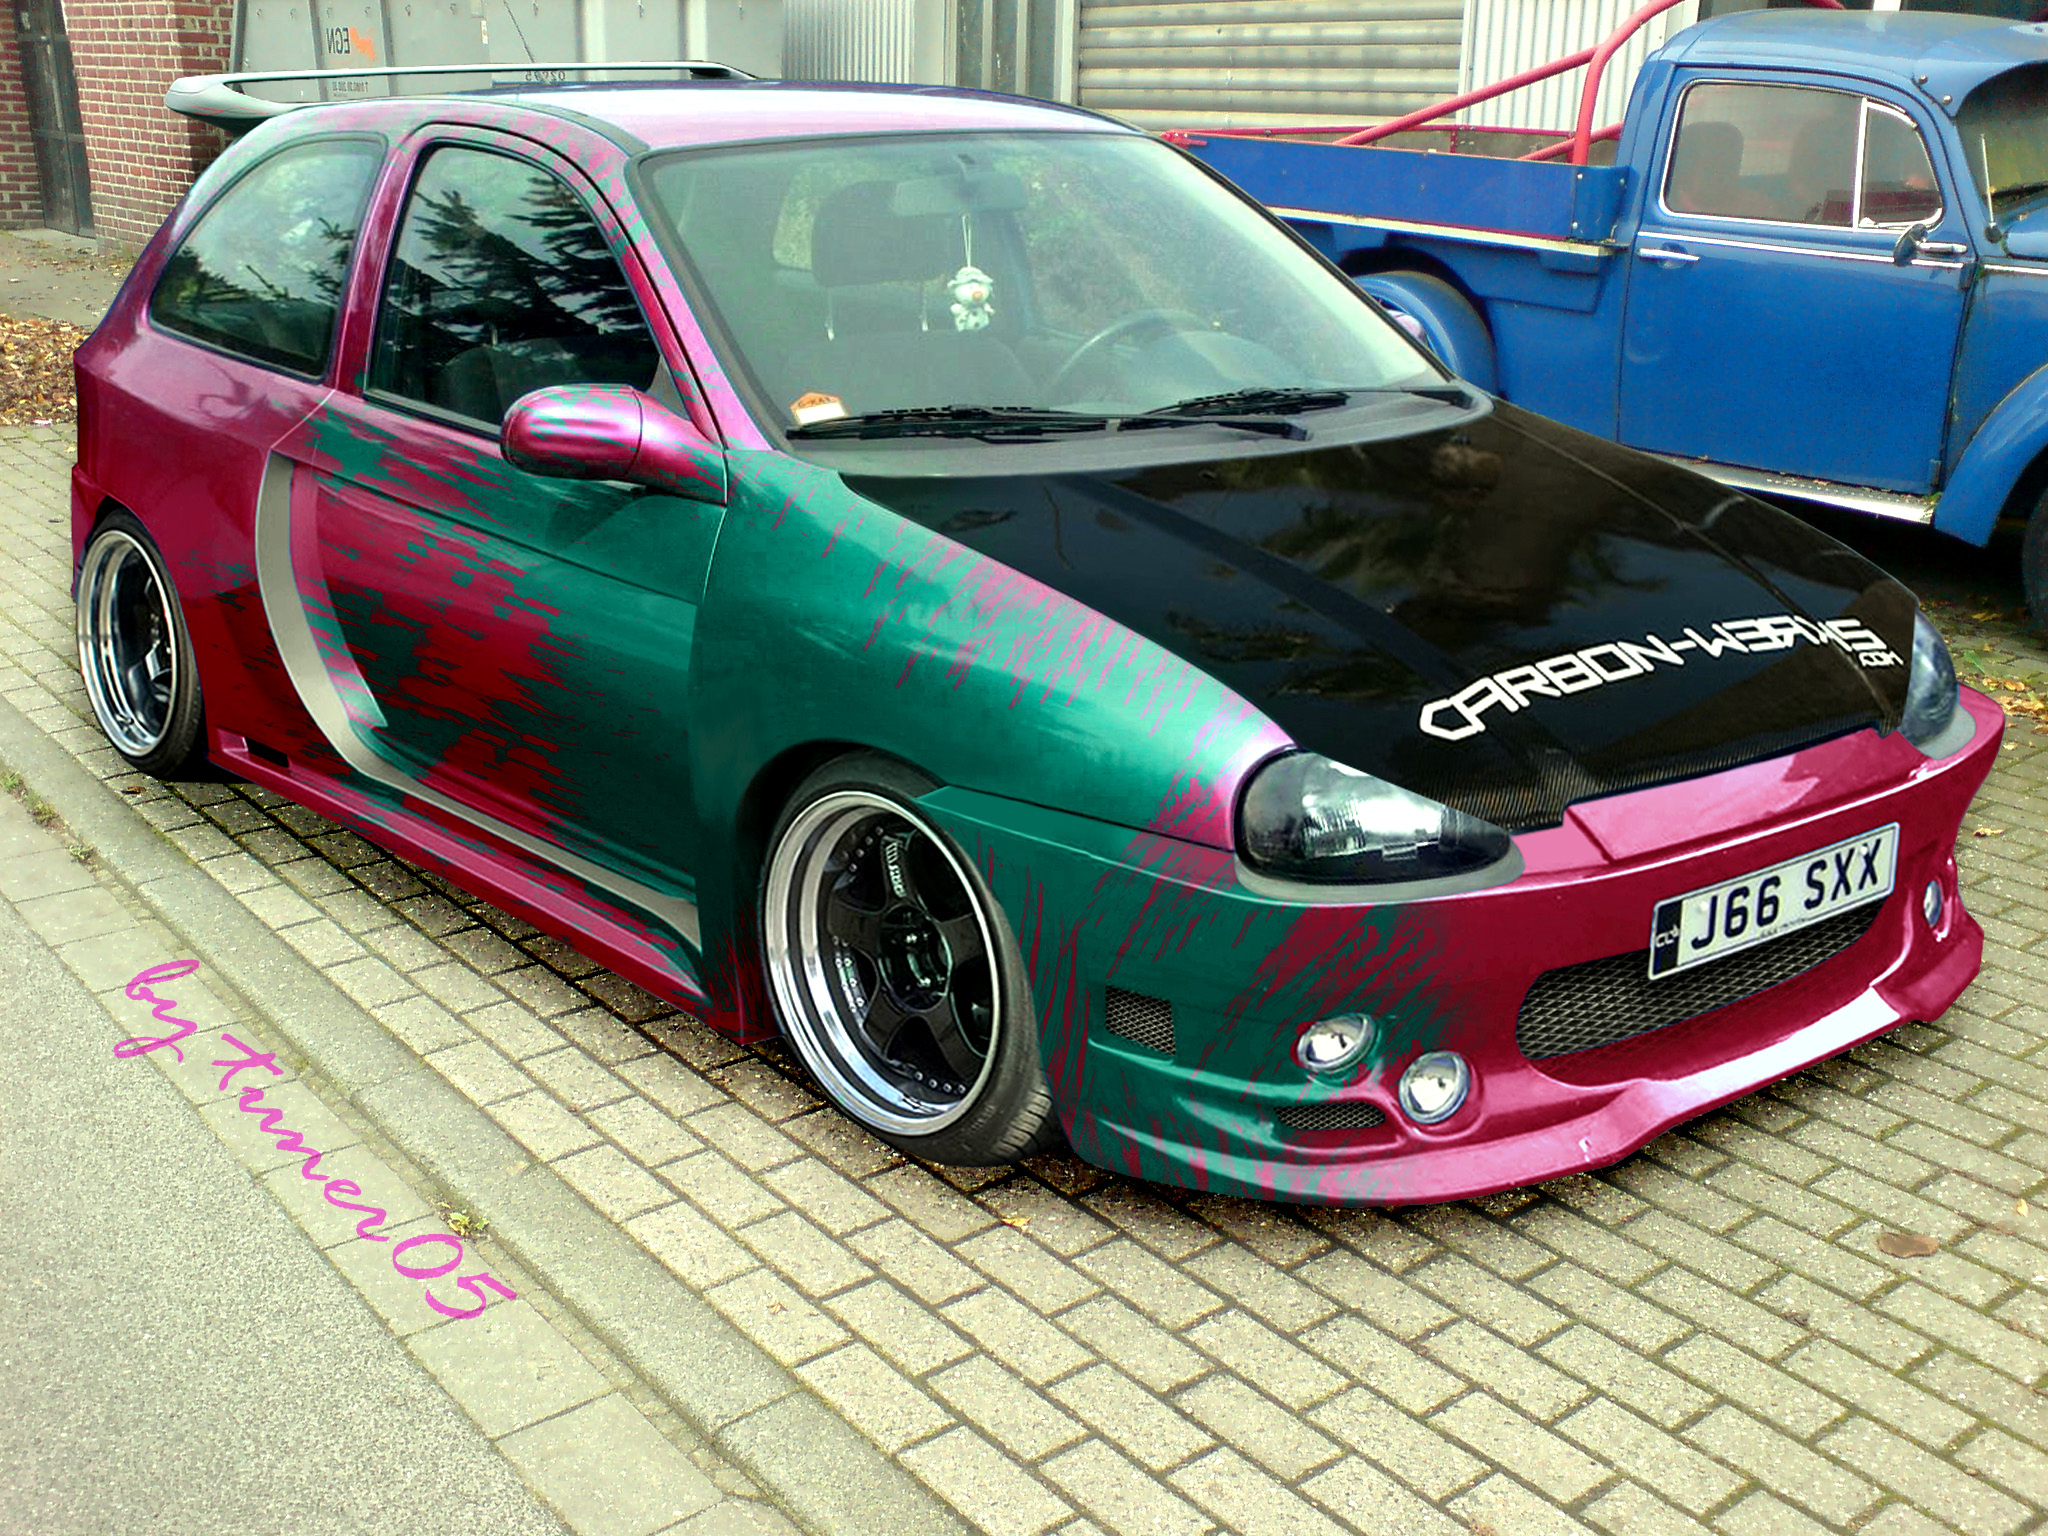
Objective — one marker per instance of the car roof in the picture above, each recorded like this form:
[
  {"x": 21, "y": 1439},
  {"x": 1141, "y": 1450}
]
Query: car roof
[
  {"x": 1945, "y": 56},
  {"x": 669, "y": 116}
]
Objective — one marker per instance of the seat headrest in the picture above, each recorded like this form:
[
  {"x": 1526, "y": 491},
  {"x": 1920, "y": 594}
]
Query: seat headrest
[{"x": 856, "y": 239}]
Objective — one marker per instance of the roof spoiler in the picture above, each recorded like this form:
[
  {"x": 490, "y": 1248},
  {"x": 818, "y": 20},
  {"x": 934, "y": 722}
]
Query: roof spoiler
[{"x": 221, "y": 101}]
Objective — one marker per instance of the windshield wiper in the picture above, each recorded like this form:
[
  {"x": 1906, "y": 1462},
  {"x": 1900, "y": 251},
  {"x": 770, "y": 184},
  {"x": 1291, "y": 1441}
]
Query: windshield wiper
[
  {"x": 1282, "y": 400},
  {"x": 957, "y": 421},
  {"x": 1269, "y": 400}
]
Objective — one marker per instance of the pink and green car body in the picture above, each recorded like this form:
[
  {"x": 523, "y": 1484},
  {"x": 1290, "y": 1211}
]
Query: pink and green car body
[{"x": 590, "y": 701}]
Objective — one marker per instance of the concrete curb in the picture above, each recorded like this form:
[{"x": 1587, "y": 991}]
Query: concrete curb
[{"x": 821, "y": 1471}]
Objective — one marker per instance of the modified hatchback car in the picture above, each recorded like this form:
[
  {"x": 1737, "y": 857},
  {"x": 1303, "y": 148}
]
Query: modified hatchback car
[{"x": 947, "y": 579}]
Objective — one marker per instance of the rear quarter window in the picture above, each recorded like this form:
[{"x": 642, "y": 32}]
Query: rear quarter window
[{"x": 261, "y": 272}]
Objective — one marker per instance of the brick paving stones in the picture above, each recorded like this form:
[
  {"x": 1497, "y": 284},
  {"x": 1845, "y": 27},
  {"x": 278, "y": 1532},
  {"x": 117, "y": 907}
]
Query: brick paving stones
[{"x": 1703, "y": 1338}]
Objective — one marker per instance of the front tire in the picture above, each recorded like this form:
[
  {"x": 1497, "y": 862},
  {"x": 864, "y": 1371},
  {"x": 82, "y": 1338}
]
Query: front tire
[
  {"x": 134, "y": 651},
  {"x": 894, "y": 974}
]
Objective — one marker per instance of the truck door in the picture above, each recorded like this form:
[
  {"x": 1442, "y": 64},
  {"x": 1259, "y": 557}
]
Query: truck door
[{"x": 1768, "y": 323}]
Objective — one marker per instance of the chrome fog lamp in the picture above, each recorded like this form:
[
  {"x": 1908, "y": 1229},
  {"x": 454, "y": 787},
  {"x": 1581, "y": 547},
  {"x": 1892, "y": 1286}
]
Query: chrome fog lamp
[
  {"x": 1330, "y": 1045},
  {"x": 1931, "y": 904},
  {"x": 1434, "y": 1085}
]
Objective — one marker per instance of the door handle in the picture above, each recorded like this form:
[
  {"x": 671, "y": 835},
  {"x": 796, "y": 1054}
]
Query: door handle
[{"x": 1665, "y": 253}]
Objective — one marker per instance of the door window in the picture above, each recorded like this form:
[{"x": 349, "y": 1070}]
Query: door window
[
  {"x": 1781, "y": 153},
  {"x": 1898, "y": 186},
  {"x": 502, "y": 283},
  {"x": 261, "y": 273}
]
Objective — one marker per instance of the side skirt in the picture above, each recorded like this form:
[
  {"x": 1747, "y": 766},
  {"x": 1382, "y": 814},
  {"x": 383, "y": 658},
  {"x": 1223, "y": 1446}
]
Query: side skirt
[{"x": 538, "y": 892}]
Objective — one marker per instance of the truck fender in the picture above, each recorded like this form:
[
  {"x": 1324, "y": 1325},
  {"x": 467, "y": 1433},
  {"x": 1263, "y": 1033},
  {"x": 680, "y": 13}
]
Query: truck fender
[
  {"x": 1451, "y": 327},
  {"x": 2008, "y": 442}
]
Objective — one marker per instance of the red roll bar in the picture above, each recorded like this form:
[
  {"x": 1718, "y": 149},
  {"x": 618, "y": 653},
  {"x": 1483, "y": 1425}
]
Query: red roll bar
[{"x": 1582, "y": 136}]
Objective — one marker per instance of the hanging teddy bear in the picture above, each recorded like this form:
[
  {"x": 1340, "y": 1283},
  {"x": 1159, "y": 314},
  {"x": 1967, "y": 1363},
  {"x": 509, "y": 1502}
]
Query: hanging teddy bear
[{"x": 973, "y": 293}]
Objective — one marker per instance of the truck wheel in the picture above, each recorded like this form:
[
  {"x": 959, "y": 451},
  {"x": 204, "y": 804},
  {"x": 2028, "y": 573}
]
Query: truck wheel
[
  {"x": 2034, "y": 564},
  {"x": 1451, "y": 327}
]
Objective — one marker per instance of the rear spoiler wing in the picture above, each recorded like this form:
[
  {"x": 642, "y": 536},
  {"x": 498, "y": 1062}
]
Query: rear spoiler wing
[{"x": 221, "y": 101}]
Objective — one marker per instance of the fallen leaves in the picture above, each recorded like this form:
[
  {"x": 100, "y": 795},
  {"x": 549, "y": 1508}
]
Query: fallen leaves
[
  {"x": 1987, "y": 832},
  {"x": 1907, "y": 1245},
  {"x": 35, "y": 371}
]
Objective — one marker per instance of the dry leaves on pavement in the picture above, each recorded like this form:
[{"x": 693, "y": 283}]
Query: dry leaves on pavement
[
  {"x": 35, "y": 371},
  {"x": 1907, "y": 1245}
]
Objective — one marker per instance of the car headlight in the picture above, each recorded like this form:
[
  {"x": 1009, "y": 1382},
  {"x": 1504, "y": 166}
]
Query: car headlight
[
  {"x": 1930, "y": 687},
  {"x": 1308, "y": 818}
]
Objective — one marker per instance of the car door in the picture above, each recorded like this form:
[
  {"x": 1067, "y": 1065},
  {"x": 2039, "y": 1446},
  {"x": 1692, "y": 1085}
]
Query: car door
[
  {"x": 234, "y": 346},
  {"x": 1767, "y": 318},
  {"x": 515, "y": 646}
]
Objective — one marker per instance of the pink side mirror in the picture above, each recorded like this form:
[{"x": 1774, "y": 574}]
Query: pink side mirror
[{"x": 611, "y": 432}]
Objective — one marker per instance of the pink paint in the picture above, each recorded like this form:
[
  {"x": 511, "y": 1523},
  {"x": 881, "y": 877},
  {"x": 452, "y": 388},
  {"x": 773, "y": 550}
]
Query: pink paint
[
  {"x": 139, "y": 990},
  {"x": 270, "y": 1120},
  {"x": 376, "y": 1217}
]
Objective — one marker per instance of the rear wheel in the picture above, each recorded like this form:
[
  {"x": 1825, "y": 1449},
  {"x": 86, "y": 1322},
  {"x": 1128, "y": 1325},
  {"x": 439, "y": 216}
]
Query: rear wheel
[
  {"x": 1442, "y": 318},
  {"x": 894, "y": 974},
  {"x": 2034, "y": 564},
  {"x": 134, "y": 652}
]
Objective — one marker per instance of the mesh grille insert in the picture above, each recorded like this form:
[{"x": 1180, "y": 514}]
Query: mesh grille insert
[
  {"x": 1341, "y": 1115},
  {"x": 1146, "y": 1021},
  {"x": 1599, "y": 1002}
]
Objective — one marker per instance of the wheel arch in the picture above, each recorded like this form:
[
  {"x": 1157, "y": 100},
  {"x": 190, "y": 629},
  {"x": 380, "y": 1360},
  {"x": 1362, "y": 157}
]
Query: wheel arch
[
  {"x": 2004, "y": 470},
  {"x": 1453, "y": 322}
]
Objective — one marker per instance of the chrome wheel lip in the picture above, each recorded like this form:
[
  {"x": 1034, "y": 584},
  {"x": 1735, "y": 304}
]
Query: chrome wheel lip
[
  {"x": 799, "y": 962},
  {"x": 108, "y": 655}
]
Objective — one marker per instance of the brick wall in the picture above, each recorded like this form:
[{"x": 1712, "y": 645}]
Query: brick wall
[
  {"x": 21, "y": 191},
  {"x": 142, "y": 157}
]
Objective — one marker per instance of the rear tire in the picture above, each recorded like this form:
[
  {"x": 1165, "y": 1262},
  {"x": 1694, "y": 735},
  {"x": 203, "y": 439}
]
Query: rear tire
[
  {"x": 894, "y": 975},
  {"x": 1451, "y": 327},
  {"x": 2034, "y": 564},
  {"x": 134, "y": 651}
]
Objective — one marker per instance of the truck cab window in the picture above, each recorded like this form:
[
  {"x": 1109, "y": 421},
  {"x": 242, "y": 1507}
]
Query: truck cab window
[
  {"x": 1898, "y": 179},
  {"x": 1781, "y": 153}
]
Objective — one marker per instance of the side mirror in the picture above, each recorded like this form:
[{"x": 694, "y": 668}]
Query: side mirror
[{"x": 611, "y": 432}]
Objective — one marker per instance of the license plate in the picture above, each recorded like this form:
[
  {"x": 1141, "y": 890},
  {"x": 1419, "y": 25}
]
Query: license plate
[{"x": 1752, "y": 909}]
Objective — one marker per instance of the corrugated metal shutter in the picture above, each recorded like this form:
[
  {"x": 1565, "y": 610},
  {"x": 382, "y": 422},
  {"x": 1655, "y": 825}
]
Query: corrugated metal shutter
[
  {"x": 1506, "y": 37},
  {"x": 850, "y": 40},
  {"x": 1223, "y": 63}
]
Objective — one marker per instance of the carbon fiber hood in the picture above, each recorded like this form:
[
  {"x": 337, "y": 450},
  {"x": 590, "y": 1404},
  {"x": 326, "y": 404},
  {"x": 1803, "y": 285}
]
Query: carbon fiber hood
[{"x": 1506, "y": 615}]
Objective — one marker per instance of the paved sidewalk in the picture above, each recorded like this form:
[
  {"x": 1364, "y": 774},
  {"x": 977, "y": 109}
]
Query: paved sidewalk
[
  {"x": 1706, "y": 1337},
  {"x": 189, "y": 1349},
  {"x": 178, "y": 1358}
]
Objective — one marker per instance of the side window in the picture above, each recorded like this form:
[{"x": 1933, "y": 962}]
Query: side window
[
  {"x": 1898, "y": 179},
  {"x": 1778, "y": 152},
  {"x": 501, "y": 283},
  {"x": 261, "y": 273}
]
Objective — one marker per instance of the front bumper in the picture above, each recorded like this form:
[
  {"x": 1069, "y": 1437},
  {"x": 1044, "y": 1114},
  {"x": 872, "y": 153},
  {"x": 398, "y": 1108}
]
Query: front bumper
[{"x": 1106, "y": 915}]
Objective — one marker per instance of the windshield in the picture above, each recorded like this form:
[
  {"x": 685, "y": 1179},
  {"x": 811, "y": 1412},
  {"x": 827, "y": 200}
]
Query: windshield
[
  {"x": 1083, "y": 272},
  {"x": 2004, "y": 124}
]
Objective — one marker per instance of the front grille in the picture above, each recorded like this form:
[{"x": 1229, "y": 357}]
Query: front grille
[
  {"x": 1339, "y": 1115},
  {"x": 1146, "y": 1021},
  {"x": 1599, "y": 1002}
]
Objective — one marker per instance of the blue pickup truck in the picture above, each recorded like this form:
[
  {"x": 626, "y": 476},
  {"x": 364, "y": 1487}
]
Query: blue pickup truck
[{"x": 1817, "y": 265}]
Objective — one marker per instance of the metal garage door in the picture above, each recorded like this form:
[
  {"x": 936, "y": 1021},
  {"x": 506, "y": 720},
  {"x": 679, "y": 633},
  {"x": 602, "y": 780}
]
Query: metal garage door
[{"x": 1235, "y": 62}]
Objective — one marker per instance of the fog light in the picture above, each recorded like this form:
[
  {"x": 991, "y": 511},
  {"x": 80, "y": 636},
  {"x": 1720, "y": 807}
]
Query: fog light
[
  {"x": 1332, "y": 1044},
  {"x": 1930, "y": 904},
  {"x": 1434, "y": 1085}
]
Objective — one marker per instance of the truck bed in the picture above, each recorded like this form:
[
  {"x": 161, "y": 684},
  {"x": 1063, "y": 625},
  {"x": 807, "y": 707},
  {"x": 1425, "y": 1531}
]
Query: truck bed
[{"x": 1300, "y": 179}]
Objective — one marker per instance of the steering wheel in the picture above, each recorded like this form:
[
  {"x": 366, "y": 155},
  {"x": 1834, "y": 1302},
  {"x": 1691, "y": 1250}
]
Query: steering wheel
[{"x": 1115, "y": 331}]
